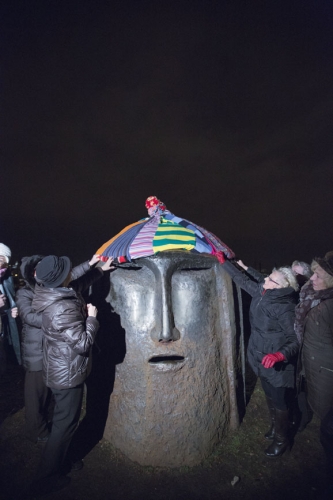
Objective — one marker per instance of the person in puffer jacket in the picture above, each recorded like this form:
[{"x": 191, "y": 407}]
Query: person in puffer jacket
[
  {"x": 273, "y": 345},
  {"x": 35, "y": 391},
  {"x": 69, "y": 329}
]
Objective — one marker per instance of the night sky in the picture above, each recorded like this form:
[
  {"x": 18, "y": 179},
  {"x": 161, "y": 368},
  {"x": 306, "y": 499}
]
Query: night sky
[{"x": 222, "y": 109}]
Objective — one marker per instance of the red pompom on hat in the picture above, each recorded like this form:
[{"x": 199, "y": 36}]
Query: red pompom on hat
[{"x": 152, "y": 201}]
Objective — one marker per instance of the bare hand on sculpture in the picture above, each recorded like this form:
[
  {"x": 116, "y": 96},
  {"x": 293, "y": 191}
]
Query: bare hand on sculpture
[
  {"x": 241, "y": 264},
  {"x": 95, "y": 258},
  {"x": 107, "y": 266},
  {"x": 92, "y": 310}
]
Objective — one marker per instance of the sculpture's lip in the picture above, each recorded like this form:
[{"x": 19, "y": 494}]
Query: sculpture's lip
[{"x": 168, "y": 362}]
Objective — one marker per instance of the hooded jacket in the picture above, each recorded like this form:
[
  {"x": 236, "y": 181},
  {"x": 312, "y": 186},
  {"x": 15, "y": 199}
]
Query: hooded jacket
[
  {"x": 272, "y": 315},
  {"x": 68, "y": 334},
  {"x": 31, "y": 346}
]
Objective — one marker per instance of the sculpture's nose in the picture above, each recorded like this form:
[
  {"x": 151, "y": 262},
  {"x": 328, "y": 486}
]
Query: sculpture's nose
[
  {"x": 164, "y": 329},
  {"x": 168, "y": 332}
]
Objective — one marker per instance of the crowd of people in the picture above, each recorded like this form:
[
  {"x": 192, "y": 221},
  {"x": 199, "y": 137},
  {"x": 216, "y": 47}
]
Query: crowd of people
[
  {"x": 58, "y": 331},
  {"x": 290, "y": 348}
]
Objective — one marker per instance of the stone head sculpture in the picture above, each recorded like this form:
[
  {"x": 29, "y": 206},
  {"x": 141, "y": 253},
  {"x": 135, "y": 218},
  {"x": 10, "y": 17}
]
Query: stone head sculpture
[{"x": 174, "y": 394}]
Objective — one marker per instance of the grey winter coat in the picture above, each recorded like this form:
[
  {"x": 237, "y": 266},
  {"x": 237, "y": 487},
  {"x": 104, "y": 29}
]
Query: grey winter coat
[
  {"x": 68, "y": 334},
  {"x": 272, "y": 314},
  {"x": 318, "y": 357}
]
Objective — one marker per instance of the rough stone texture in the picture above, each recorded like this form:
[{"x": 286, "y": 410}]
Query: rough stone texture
[{"x": 174, "y": 394}]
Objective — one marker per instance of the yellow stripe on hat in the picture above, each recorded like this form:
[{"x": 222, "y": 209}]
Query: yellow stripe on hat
[{"x": 174, "y": 236}]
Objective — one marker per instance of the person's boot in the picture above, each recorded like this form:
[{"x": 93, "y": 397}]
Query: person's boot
[
  {"x": 271, "y": 433},
  {"x": 281, "y": 440}
]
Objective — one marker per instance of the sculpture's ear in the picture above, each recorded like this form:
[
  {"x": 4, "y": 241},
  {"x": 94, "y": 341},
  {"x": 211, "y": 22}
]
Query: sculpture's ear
[
  {"x": 111, "y": 297},
  {"x": 227, "y": 329}
]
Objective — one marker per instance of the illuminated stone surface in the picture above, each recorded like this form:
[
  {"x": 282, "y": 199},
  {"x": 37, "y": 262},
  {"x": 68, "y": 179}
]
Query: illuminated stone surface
[{"x": 174, "y": 393}]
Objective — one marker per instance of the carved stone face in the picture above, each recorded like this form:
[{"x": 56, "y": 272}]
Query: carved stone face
[{"x": 172, "y": 398}]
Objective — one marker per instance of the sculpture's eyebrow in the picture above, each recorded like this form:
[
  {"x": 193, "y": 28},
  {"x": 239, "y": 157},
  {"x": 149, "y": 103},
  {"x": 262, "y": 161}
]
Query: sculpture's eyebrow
[
  {"x": 129, "y": 267},
  {"x": 193, "y": 268}
]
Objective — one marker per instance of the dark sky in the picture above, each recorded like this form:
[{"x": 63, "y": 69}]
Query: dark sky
[{"x": 222, "y": 109}]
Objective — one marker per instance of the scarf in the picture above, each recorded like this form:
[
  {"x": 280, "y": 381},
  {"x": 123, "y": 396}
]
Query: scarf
[
  {"x": 308, "y": 298},
  {"x": 3, "y": 271}
]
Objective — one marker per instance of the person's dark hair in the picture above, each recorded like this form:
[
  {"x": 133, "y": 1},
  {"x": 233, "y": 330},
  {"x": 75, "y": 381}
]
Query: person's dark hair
[{"x": 28, "y": 266}]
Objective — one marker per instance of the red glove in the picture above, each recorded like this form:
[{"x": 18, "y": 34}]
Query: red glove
[
  {"x": 269, "y": 360},
  {"x": 220, "y": 257},
  {"x": 102, "y": 258},
  {"x": 116, "y": 260}
]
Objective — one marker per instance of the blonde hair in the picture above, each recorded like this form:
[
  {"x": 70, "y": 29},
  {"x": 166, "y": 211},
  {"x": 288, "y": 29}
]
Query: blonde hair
[
  {"x": 288, "y": 276},
  {"x": 327, "y": 278}
]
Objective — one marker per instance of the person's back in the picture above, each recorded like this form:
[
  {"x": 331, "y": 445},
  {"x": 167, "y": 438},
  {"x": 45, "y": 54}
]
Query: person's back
[
  {"x": 69, "y": 330},
  {"x": 64, "y": 313}
]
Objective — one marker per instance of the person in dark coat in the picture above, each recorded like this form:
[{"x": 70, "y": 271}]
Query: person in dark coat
[
  {"x": 303, "y": 413},
  {"x": 35, "y": 391},
  {"x": 69, "y": 330},
  {"x": 273, "y": 346},
  {"x": 9, "y": 334},
  {"x": 314, "y": 328}
]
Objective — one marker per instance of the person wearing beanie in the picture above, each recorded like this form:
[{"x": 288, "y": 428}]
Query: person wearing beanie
[
  {"x": 5, "y": 252},
  {"x": 9, "y": 332},
  {"x": 69, "y": 328},
  {"x": 314, "y": 328}
]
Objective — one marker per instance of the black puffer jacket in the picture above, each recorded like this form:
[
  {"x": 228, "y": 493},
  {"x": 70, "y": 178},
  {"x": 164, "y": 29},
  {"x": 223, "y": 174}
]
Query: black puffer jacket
[
  {"x": 32, "y": 351},
  {"x": 68, "y": 333},
  {"x": 272, "y": 314}
]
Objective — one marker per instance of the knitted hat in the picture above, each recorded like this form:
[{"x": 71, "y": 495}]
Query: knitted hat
[
  {"x": 52, "y": 271},
  {"x": 326, "y": 263},
  {"x": 5, "y": 251}
]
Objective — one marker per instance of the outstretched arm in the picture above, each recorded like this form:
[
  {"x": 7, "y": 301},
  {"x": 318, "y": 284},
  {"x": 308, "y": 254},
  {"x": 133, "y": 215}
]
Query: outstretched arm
[
  {"x": 240, "y": 278},
  {"x": 84, "y": 282},
  {"x": 241, "y": 264}
]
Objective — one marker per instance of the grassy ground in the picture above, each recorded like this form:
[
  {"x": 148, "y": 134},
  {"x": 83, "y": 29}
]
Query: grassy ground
[{"x": 108, "y": 475}]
